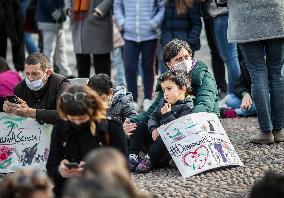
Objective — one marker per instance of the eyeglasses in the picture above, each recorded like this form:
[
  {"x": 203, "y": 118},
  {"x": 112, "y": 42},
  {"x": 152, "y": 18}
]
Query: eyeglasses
[{"x": 77, "y": 96}]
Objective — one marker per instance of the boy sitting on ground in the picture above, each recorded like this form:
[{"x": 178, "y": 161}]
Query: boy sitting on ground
[{"x": 117, "y": 100}]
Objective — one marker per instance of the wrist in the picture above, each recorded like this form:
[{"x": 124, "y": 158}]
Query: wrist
[{"x": 32, "y": 113}]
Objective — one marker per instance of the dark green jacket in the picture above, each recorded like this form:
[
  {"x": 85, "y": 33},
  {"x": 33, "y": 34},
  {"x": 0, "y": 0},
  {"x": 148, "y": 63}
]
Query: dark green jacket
[{"x": 204, "y": 89}]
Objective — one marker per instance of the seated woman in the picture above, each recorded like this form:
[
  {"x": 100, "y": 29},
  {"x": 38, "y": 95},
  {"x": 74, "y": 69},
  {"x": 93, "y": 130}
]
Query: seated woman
[
  {"x": 82, "y": 129},
  {"x": 177, "y": 55},
  {"x": 240, "y": 103}
]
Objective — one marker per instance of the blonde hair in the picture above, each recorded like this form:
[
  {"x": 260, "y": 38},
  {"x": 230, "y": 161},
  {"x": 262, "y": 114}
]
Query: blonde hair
[
  {"x": 182, "y": 5},
  {"x": 91, "y": 105}
]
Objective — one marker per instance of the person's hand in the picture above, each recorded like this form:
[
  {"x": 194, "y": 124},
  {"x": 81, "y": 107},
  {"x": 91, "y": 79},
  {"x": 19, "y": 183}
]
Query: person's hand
[
  {"x": 246, "y": 101},
  {"x": 7, "y": 106},
  {"x": 167, "y": 108},
  {"x": 129, "y": 127},
  {"x": 66, "y": 172},
  {"x": 22, "y": 109},
  {"x": 155, "y": 134}
]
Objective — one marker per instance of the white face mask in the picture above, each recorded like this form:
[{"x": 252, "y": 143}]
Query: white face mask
[
  {"x": 185, "y": 65},
  {"x": 35, "y": 85}
]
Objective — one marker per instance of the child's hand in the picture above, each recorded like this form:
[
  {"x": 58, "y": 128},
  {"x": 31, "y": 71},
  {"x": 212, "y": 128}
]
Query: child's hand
[
  {"x": 167, "y": 108},
  {"x": 246, "y": 102},
  {"x": 155, "y": 134}
]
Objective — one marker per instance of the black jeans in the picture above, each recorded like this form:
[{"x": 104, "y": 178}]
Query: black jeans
[
  {"x": 217, "y": 62},
  {"x": 101, "y": 63}
]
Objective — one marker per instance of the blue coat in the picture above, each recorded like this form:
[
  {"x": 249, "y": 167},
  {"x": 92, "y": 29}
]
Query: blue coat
[
  {"x": 140, "y": 20},
  {"x": 182, "y": 26}
]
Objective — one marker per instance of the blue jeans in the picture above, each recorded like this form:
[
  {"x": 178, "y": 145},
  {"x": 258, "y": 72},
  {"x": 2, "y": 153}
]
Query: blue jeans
[
  {"x": 265, "y": 63},
  {"x": 227, "y": 51},
  {"x": 118, "y": 65},
  {"x": 131, "y": 52},
  {"x": 234, "y": 102},
  {"x": 29, "y": 42}
]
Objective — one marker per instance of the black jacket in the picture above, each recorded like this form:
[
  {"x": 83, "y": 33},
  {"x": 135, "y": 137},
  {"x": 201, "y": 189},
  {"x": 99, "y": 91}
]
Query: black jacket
[
  {"x": 181, "y": 108},
  {"x": 243, "y": 84},
  {"x": 71, "y": 142},
  {"x": 44, "y": 100}
]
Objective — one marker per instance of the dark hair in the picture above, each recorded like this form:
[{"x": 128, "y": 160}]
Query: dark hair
[
  {"x": 3, "y": 65},
  {"x": 38, "y": 58},
  {"x": 101, "y": 83},
  {"x": 25, "y": 182},
  {"x": 99, "y": 187},
  {"x": 92, "y": 105},
  {"x": 272, "y": 185},
  {"x": 182, "y": 6},
  {"x": 172, "y": 49},
  {"x": 179, "y": 77}
]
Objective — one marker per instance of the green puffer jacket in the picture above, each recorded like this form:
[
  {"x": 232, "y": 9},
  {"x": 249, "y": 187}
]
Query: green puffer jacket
[{"x": 204, "y": 89}]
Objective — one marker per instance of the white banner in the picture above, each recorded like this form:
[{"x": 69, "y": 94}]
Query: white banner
[
  {"x": 198, "y": 142},
  {"x": 23, "y": 143}
]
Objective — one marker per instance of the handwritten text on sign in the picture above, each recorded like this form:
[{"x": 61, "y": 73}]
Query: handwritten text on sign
[
  {"x": 198, "y": 142},
  {"x": 23, "y": 143}
]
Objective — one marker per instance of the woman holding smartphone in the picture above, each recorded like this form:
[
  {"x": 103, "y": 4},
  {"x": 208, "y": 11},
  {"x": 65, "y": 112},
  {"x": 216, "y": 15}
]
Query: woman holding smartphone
[{"x": 82, "y": 129}]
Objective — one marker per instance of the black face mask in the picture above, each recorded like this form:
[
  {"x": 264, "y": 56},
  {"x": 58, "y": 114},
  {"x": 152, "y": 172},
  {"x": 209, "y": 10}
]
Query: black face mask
[{"x": 81, "y": 127}]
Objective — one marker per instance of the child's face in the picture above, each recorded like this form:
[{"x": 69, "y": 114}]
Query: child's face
[
  {"x": 172, "y": 93},
  {"x": 106, "y": 99}
]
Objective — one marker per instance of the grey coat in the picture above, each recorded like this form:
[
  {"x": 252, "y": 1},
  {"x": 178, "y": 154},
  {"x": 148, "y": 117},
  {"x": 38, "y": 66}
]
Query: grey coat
[
  {"x": 93, "y": 35},
  {"x": 255, "y": 20},
  {"x": 122, "y": 106}
]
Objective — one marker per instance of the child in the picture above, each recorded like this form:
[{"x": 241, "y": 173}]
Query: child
[
  {"x": 177, "y": 103},
  {"x": 118, "y": 101}
]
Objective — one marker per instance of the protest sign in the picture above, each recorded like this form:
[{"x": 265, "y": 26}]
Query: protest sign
[
  {"x": 198, "y": 142},
  {"x": 23, "y": 143}
]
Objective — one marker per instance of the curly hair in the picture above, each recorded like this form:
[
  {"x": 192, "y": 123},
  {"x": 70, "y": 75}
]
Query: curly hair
[
  {"x": 92, "y": 105},
  {"x": 179, "y": 77},
  {"x": 172, "y": 49}
]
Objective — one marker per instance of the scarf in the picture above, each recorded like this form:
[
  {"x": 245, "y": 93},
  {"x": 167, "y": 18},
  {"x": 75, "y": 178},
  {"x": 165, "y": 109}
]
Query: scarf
[{"x": 80, "y": 9}]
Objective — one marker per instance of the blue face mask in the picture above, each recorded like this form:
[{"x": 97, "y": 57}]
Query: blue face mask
[{"x": 35, "y": 85}]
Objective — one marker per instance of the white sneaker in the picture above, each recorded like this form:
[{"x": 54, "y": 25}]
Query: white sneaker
[{"x": 147, "y": 103}]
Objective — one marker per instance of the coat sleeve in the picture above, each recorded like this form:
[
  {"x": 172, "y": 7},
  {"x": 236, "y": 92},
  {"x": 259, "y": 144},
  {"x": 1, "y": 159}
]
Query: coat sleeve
[
  {"x": 158, "y": 17},
  {"x": 118, "y": 9},
  {"x": 194, "y": 33},
  {"x": 104, "y": 7},
  {"x": 167, "y": 117},
  {"x": 128, "y": 109},
  {"x": 154, "y": 119},
  {"x": 144, "y": 116},
  {"x": 55, "y": 154},
  {"x": 205, "y": 90}
]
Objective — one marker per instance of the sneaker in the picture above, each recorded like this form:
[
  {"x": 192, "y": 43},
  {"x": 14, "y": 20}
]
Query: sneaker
[
  {"x": 228, "y": 113},
  {"x": 263, "y": 138},
  {"x": 147, "y": 103},
  {"x": 145, "y": 165},
  {"x": 133, "y": 161},
  {"x": 278, "y": 135}
]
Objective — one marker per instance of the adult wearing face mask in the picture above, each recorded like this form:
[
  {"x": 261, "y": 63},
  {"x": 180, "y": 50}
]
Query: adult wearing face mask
[
  {"x": 177, "y": 55},
  {"x": 38, "y": 92}
]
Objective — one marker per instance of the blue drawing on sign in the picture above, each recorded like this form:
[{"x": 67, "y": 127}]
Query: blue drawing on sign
[{"x": 28, "y": 155}]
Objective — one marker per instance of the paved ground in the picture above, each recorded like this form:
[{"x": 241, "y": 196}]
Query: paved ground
[{"x": 227, "y": 182}]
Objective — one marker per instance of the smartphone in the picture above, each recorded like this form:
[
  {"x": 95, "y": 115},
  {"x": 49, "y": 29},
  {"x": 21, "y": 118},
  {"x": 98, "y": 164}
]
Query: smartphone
[
  {"x": 13, "y": 99},
  {"x": 72, "y": 165}
]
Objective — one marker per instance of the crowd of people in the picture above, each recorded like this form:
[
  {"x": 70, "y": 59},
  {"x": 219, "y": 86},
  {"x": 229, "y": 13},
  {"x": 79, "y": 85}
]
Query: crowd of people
[{"x": 90, "y": 118}]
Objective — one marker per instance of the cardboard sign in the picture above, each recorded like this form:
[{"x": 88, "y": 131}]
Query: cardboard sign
[
  {"x": 23, "y": 143},
  {"x": 198, "y": 142}
]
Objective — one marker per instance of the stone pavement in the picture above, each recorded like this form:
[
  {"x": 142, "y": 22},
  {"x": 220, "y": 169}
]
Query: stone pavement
[{"x": 227, "y": 182}]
